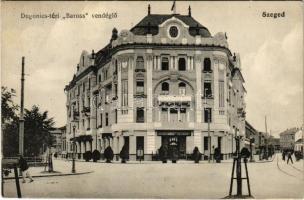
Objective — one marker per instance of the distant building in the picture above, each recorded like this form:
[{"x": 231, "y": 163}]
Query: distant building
[
  {"x": 299, "y": 140},
  {"x": 287, "y": 138},
  {"x": 58, "y": 133},
  {"x": 156, "y": 84},
  {"x": 251, "y": 134}
]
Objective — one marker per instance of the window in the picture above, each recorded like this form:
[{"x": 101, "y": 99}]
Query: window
[
  {"x": 206, "y": 145},
  {"x": 181, "y": 64},
  {"x": 82, "y": 122},
  {"x": 99, "y": 78},
  {"x": 115, "y": 89},
  {"x": 107, "y": 119},
  {"x": 221, "y": 94},
  {"x": 207, "y": 89},
  {"x": 124, "y": 93},
  {"x": 165, "y": 88},
  {"x": 116, "y": 116},
  {"x": 140, "y": 62},
  {"x": 165, "y": 64},
  {"x": 116, "y": 67},
  {"x": 173, "y": 31},
  {"x": 89, "y": 122},
  {"x": 83, "y": 87},
  {"x": 100, "y": 120},
  {"x": 207, "y": 114},
  {"x": 140, "y": 115},
  {"x": 207, "y": 65},
  {"x": 182, "y": 88},
  {"x": 140, "y": 87}
]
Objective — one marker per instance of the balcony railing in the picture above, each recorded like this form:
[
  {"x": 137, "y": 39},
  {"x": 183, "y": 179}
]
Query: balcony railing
[{"x": 174, "y": 98}]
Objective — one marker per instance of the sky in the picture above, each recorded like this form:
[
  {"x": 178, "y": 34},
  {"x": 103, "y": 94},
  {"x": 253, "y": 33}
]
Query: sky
[{"x": 271, "y": 50}]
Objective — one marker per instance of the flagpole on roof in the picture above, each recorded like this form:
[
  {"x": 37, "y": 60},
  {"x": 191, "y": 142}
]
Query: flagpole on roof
[{"x": 173, "y": 8}]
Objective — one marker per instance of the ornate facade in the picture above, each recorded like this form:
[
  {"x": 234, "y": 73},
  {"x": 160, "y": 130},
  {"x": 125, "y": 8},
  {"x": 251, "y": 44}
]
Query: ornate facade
[{"x": 154, "y": 85}]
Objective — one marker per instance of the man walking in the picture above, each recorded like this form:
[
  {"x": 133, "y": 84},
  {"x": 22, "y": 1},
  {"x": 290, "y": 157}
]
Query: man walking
[
  {"x": 24, "y": 168},
  {"x": 289, "y": 154}
]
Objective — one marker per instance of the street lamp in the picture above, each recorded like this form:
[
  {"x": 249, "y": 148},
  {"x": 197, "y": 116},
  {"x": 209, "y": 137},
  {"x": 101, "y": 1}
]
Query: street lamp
[{"x": 73, "y": 156}]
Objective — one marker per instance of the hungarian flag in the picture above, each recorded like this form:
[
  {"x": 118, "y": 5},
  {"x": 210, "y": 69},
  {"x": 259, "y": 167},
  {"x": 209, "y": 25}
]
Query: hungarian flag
[{"x": 173, "y": 6}]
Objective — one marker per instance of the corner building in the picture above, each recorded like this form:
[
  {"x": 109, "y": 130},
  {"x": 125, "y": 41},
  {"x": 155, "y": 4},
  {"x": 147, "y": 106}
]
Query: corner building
[{"x": 154, "y": 85}]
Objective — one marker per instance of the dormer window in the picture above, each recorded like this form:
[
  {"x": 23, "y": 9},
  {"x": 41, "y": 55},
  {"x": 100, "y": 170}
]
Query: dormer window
[
  {"x": 173, "y": 31},
  {"x": 165, "y": 64},
  {"x": 207, "y": 65},
  {"x": 182, "y": 64}
]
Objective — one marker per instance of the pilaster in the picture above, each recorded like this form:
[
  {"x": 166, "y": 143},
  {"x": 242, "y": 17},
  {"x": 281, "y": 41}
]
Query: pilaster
[
  {"x": 149, "y": 90},
  {"x": 198, "y": 139},
  {"x": 130, "y": 88},
  {"x": 198, "y": 90}
]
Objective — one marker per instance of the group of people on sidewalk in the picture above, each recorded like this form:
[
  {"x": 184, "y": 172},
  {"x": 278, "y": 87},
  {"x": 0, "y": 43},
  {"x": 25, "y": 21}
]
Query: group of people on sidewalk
[{"x": 287, "y": 153}]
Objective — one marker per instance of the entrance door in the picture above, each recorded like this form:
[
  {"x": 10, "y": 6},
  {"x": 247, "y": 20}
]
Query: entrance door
[
  {"x": 178, "y": 142},
  {"x": 126, "y": 142}
]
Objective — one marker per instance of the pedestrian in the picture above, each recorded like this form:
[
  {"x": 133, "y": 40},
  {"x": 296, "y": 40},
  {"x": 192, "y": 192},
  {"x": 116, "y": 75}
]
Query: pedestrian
[
  {"x": 24, "y": 169},
  {"x": 289, "y": 154},
  {"x": 283, "y": 155}
]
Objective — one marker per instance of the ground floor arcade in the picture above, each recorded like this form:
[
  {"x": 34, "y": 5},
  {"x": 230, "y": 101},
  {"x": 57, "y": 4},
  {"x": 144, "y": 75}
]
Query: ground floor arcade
[{"x": 149, "y": 142}]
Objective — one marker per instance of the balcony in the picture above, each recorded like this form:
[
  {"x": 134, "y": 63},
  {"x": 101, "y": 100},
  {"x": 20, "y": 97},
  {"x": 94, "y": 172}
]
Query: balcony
[
  {"x": 207, "y": 71},
  {"x": 174, "y": 98}
]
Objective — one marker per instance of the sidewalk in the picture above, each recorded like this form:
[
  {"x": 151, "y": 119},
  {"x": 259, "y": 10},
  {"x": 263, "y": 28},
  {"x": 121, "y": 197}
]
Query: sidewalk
[{"x": 60, "y": 167}]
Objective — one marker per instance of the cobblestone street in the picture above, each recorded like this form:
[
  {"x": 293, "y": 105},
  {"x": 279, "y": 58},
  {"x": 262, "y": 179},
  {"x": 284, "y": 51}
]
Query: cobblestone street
[{"x": 156, "y": 180}]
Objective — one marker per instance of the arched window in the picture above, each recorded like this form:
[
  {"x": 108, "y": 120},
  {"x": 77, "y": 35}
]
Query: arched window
[
  {"x": 181, "y": 64},
  {"x": 140, "y": 62},
  {"x": 182, "y": 88},
  {"x": 165, "y": 88},
  {"x": 165, "y": 63},
  {"x": 207, "y": 65}
]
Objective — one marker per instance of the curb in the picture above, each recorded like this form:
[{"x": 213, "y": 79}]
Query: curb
[{"x": 51, "y": 175}]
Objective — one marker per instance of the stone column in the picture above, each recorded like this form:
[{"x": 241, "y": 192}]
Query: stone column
[
  {"x": 130, "y": 89},
  {"x": 176, "y": 62},
  {"x": 149, "y": 90},
  {"x": 171, "y": 63},
  {"x": 188, "y": 63},
  {"x": 150, "y": 142},
  {"x": 119, "y": 92},
  {"x": 159, "y": 62},
  {"x": 198, "y": 90},
  {"x": 216, "y": 87}
]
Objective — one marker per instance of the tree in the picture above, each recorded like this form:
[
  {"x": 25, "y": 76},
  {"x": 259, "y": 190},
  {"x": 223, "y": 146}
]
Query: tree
[
  {"x": 37, "y": 131},
  {"x": 9, "y": 122},
  {"x": 8, "y": 107}
]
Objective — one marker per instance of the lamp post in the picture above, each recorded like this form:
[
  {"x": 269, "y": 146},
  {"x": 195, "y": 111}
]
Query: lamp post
[{"x": 73, "y": 156}]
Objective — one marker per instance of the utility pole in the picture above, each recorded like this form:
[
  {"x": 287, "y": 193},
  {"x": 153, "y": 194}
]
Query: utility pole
[{"x": 21, "y": 117}]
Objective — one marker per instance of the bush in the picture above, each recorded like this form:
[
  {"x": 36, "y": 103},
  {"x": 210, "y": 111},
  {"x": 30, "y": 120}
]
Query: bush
[
  {"x": 108, "y": 154},
  {"x": 124, "y": 154},
  {"x": 96, "y": 155},
  {"x": 196, "y": 155},
  {"x": 87, "y": 156},
  {"x": 163, "y": 154}
]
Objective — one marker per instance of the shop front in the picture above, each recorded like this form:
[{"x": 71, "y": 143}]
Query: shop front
[{"x": 175, "y": 140}]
